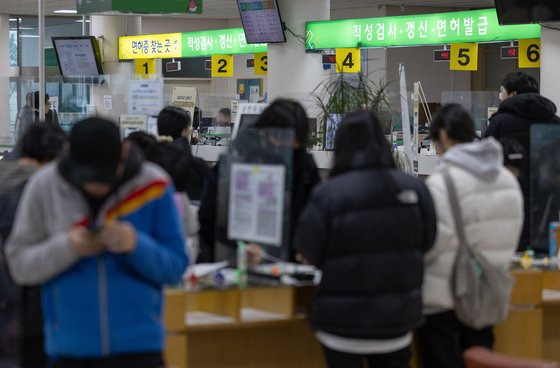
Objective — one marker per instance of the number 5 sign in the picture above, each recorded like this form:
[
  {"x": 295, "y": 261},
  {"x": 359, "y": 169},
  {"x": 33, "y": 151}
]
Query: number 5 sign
[
  {"x": 348, "y": 61},
  {"x": 530, "y": 53},
  {"x": 222, "y": 66},
  {"x": 464, "y": 56}
]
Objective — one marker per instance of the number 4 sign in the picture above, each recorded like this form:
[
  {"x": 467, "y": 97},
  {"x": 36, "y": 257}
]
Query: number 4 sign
[
  {"x": 530, "y": 53},
  {"x": 348, "y": 61},
  {"x": 464, "y": 56},
  {"x": 222, "y": 66}
]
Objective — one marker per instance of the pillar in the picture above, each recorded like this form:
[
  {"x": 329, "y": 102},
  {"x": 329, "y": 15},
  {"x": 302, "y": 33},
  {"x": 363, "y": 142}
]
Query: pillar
[
  {"x": 550, "y": 54},
  {"x": 292, "y": 72},
  {"x": 108, "y": 28},
  {"x": 5, "y": 77}
]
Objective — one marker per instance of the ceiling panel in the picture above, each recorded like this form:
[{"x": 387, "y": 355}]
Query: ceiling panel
[{"x": 226, "y": 9}]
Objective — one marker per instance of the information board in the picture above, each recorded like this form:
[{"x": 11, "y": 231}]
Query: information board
[
  {"x": 415, "y": 30},
  {"x": 187, "y": 44},
  {"x": 261, "y": 21},
  {"x": 145, "y": 96}
]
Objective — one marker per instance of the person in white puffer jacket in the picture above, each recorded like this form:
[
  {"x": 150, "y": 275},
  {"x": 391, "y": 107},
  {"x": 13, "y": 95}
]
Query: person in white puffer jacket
[{"x": 492, "y": 206}]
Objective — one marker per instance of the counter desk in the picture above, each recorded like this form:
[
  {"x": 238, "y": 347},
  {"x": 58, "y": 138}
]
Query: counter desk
[{"x": 266, "y": 327}]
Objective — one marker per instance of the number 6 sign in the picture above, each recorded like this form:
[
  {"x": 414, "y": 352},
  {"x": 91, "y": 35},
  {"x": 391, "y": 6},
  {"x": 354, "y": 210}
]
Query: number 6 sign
[{"x": 530, "y": 53}]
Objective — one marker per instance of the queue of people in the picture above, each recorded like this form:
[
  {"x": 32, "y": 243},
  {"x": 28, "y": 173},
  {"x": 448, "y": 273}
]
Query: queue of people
[{"x": 102, "y": 227}]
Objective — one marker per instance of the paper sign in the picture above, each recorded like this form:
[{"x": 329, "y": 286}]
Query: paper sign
[
  {"x": 145, "y": 68},
  {"x": 256, "y": 203},
  {"x": 53, "y": 101},
  {"x": 145, "y": 96},
  {"x": 222, "y": 66},
  {"x": 132, "y": 123},
  {"x": 261, "y": 63},
  {"x": 185, "y": 98},
  {"x": 530, "y": 53},
  {"x": 464, "y": 56},
  {"x": 348, "y": 61},
  {"x": 108, "y": 102}
]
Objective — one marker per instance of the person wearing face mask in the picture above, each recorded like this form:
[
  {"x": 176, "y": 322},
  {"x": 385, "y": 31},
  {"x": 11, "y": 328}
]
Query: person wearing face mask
[
  {"x": 522, "y": 106},
  {"x": 99, "y": 230}
]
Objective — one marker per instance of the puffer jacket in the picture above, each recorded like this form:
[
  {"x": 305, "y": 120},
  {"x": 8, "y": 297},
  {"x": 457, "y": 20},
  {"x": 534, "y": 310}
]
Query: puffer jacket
[
  {"x": 492, "y": 205},
  {"x": 514, "y": 120},
  {"x": 368, "y": 230},
  {"x": 106, "y": 305}
]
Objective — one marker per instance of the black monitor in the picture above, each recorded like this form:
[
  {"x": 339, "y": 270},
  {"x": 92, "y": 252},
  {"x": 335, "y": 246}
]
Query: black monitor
[
  {"x": 527, "y": 11},
  {"x": 261, "y": 21},
  {"x": 79, "y": 58}
]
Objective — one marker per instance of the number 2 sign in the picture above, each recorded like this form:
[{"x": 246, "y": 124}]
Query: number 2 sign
[
  {"x": 530, "y": 53},
  {"x": 348, "y": 61},
  {"x": 464, "y": 56},
  {"x": 222, "y": 66}
]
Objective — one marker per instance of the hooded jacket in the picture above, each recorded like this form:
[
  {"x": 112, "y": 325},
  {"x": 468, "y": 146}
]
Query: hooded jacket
[
  {"x": 110, "y": 304},
  {"x": 517, "y": 114},
  {"x": 513, "y": 120},
  {"x": 367, "y": 230},
  {"x": 492, "y": 205}
]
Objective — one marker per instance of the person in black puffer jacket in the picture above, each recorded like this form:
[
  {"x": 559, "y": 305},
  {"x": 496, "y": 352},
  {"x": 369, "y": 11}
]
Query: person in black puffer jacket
[
  {"x": 367, "y": 229},
  {"x": 522, "y": 106}
]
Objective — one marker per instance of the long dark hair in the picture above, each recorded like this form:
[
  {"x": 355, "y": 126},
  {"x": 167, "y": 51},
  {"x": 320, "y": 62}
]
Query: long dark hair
[{"x": 360, "y": 143}]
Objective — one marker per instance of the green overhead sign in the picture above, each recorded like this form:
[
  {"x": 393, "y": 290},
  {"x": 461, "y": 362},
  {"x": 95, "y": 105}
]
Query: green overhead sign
[
  {"x": 415, "y": 30},
  {"x": 187, "y": 44},
  {"x": 139, "y": 6}
]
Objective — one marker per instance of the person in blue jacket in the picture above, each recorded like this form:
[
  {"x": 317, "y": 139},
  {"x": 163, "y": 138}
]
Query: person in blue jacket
[{"x": 100, "y": 231}]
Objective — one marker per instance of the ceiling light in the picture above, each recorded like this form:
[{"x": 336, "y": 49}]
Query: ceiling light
[
  {"x": 81, "y": 21},
  {"x": 26, "y": 28},
  {"x": 30, "y": 36},
  {"x": 13, "y": 19},
  {"x": 66, "y": 11}
]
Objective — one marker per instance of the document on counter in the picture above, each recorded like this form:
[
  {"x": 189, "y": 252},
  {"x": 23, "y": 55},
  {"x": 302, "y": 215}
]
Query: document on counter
[{"x": 256, "y": 203}]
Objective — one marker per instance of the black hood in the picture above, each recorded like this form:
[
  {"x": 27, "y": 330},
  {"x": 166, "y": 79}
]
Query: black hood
[{"x": 531, "y": 106}]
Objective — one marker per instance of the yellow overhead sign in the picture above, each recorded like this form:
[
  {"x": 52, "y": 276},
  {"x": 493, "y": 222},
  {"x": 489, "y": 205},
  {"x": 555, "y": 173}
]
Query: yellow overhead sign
[
  {"x": 464, "y": 56},
  {"x": 167, "y": 45},
  {"x": 530, "y": 53}
]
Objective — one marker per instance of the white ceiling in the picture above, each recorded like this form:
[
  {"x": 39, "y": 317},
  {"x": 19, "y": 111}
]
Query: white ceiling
[{"x": 226, "y": 9}]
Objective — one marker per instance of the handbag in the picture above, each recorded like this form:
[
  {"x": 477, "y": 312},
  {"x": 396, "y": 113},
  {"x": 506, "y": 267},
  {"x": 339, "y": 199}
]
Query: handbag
[{"x": 481, "y": 290}]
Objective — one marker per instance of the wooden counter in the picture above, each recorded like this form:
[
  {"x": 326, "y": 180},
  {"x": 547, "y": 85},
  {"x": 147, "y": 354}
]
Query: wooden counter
[
  {"x": 265, "y": 327},
  {"x": 254, "y": 327},
  {"x": 532, "y": 329}
]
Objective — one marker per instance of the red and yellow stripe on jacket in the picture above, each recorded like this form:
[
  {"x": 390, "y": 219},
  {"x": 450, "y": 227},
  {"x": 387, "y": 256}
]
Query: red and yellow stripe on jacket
[{"x": 137, "y": 199}]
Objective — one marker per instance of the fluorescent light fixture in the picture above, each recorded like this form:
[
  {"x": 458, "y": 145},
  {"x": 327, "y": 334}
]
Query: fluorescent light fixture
[
  {"x": 80, "y": 21},
  {"x": 30, "y": 36},
  {"x": 66, "y": 11},
  {"x": 13, "y": 19},
  {"x": 26, "y": 28}
]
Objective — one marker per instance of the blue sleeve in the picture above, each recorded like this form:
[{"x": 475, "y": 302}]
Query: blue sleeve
[{"x": 160, "y": 257}]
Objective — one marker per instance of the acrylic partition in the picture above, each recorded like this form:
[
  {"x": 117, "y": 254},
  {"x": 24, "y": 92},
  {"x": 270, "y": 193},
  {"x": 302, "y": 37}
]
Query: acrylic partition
[
  {"x": 481, "y": 105},
  {"x": 545, "y": 187}
]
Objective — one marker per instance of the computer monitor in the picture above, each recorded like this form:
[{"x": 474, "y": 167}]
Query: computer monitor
[{"x": 79, "y": 58}]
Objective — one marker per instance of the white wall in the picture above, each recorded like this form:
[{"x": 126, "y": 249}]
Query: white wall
[{"x": 550, "y": 77}]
